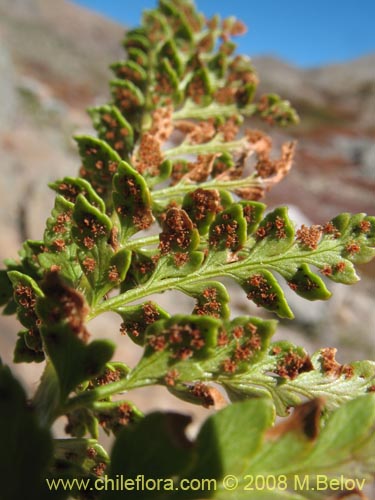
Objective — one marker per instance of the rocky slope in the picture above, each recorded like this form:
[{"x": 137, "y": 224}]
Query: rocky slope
[{"x": 53, "y": 64}]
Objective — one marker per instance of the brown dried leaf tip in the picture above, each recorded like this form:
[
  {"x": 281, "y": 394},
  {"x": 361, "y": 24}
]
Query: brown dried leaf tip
[
  {"x": 305, "y": 419},
  {"x": 196, "y": 133},
  {"x": 149, "y": 156},
  {"x": 276, "y": 171},
  {"x": 200, "y": 169},
  {"x": 162, "y": 124},
  {"x": 269, "y": 171},
  {"x": 209, "y": 396},
  {"x": 65, "y": 305},
  {"x": 331, "y": 367}
]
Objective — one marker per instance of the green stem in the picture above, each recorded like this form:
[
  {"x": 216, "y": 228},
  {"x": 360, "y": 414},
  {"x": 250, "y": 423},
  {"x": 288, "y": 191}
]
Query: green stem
[
  {"x": 203, "y": 113},
  {"x": 91, "y": 399},
  {"x": 141, "y": 242},
  {"x": 207, "y": 272},
  {"x": 184, "y": 187},
  {"x": 46, "y": 398},
  {"x": 214, "y": 146}
]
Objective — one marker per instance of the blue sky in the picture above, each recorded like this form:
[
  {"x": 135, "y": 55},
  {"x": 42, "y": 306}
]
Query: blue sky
[{"x": 303, "y": 32}]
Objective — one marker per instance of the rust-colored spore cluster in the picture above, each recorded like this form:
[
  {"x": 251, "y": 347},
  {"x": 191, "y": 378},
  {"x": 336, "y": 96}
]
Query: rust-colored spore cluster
[
  {"x": 292, "y": 364},
  {"x": 176, "y": 233},
  {"x": 248, "y": 213},
  {"x": 309, "y": 237},
  {"x": 126, "y": 99},
  {"x": 116, "y": 418},
  {"x": 331, "y": 230},
  {"x": 140, "y": 212},
  {"x": 163, "y": 86},
  {"x": 222, "y": 338},
  {"x": 68, "y": 191},
  {"x": 98, "y": 172},
  {"x": 303, "y": 283},
  {"x": 25, "y": 296},
  {"x": 115, "y": 135},
  {"x": 89, "y": 264},
  {"x": 226, "y": 231},
  {"x": 149, "y": 315},
  {"x": 272, "y": 227},
  {"x": 90, "y": 230},
  {"x": 99, "y": 469},
  {"x": 91, "y": 452},
  {"x": 113, "y": 274},
  {"x": 182, "y": 340},
  {"x": 205, "y": 201},
  {"x": 62, "y": 220},
  {"x": 352, "y": 248},
  {"x": 364, "y": 226},
  {"x": 260, "y": 291},
  {"x": 329, "y": 270},
  {"x": 149, "y": 155},
  {"x": 247, "y": 342},
  {"x": 208, "y": 304},
  {"x": 171, "y": 377},
  {"x": 107, "y": 377}
]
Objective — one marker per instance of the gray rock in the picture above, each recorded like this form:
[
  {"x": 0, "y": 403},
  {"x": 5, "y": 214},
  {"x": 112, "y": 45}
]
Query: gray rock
[
  {"x": 8, "y": 96},
  {"x": 358, "y": 150}
]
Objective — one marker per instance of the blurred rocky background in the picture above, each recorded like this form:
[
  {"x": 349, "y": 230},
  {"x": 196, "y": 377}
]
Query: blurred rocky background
[{"x": 54, "y": 59}]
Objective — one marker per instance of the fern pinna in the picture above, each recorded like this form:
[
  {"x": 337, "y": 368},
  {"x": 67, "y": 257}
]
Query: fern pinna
[{"x": 173, "y": 159}]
